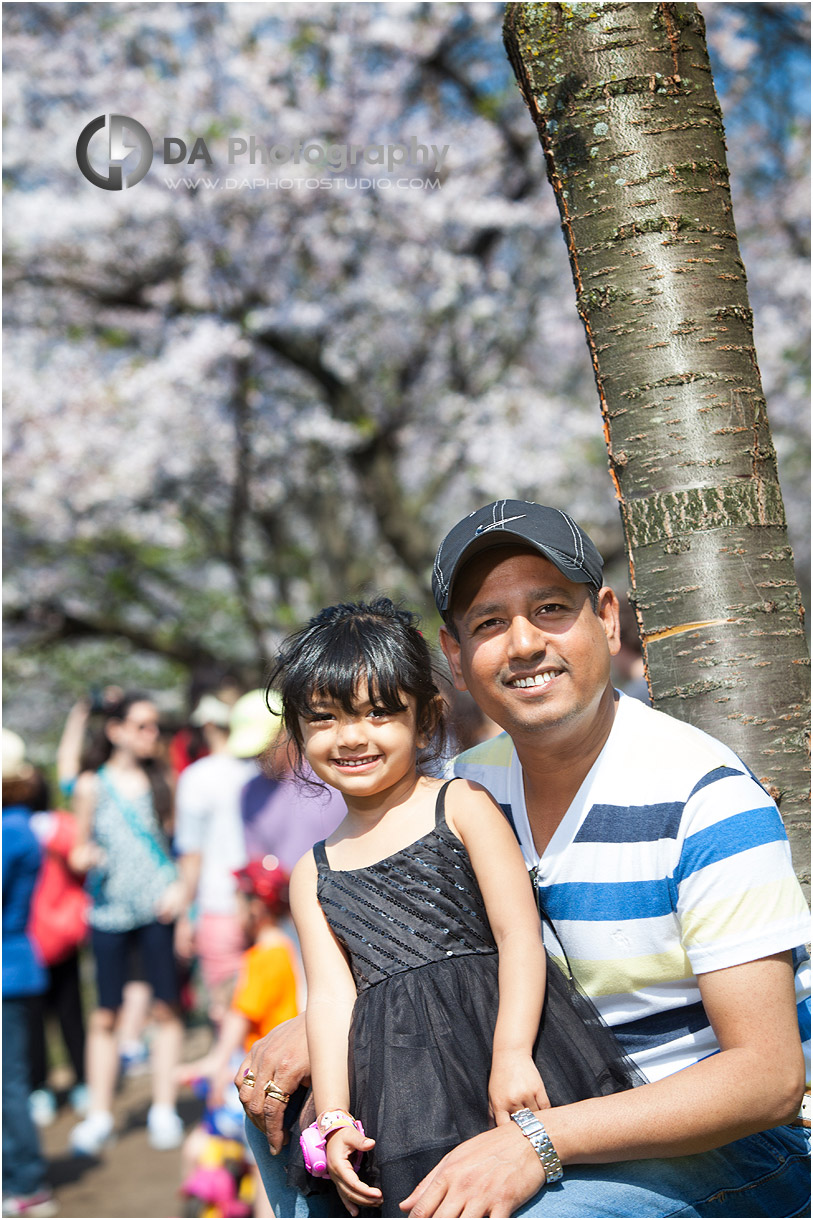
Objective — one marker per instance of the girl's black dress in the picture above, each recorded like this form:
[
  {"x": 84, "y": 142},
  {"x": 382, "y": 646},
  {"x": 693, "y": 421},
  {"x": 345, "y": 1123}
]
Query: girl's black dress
[{"x": 425, "y": 964}]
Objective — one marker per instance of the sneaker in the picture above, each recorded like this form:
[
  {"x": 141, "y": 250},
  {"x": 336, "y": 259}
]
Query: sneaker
[
  {"x": 79, "y": 1099},
  {"x": 42, "y": 1203},
  {"x": 90, "y": 1136},
  {"x": 42, "y": 1107},
  {"x": 164, "y": 1127}
]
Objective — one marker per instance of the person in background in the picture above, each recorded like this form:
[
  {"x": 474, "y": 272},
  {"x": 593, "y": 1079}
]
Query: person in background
[
  {"x": 628, "y": 669},
  {"x": 25, "y": 1189},
  {"x": 135, "y": 1009},
  {"x": 468, "y": 726},
  {"x": 265, "y": 995},
  {"x": 188, "y": 743},
  {"x": 58, "y": 926},
  {"x": 123, "y": 808},
  {"x": 210, "y": 845}
]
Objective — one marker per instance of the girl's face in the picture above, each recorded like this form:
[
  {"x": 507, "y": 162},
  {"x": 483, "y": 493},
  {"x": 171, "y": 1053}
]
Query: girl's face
[
  {"x": 138, "y": 732},
  {"x": 363, "y": 753}
]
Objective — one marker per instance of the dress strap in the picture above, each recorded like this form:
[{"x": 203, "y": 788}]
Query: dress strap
[
  {"x": 440, "y": 803},
  {"x": 320, "y": 855}
]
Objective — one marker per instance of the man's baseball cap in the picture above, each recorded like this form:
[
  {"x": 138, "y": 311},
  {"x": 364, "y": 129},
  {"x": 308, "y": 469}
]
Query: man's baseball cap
[{"x": 548, "y": 530}]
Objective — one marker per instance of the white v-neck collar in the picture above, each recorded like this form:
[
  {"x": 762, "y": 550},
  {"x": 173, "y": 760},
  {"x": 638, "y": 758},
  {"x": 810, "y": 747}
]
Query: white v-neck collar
[{"x": 568, "y": 827}]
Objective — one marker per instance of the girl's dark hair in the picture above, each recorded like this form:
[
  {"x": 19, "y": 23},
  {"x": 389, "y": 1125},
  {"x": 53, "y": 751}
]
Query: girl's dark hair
[
  {"x": 342, "y": 644},
  {"x": 101, "y": 748}
]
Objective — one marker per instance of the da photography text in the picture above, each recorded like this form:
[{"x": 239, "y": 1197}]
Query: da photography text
[{"x": 109, "y": 160}]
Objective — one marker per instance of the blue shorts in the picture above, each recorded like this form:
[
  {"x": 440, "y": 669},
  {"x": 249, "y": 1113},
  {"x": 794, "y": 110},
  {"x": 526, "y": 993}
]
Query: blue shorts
[
  {"x": 114, "y": 951},
  {"x": 762, "y": 1175}
]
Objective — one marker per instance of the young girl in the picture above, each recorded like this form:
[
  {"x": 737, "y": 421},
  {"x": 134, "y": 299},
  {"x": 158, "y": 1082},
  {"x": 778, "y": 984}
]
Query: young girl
[
  {"x": 419, "y": 930},
  {"x": 120, "y": 805}
]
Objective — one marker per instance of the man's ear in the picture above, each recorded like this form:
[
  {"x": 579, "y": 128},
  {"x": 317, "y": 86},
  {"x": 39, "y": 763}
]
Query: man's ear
[
  {"x": 451, "y": 651},
  {"x": 608, "y": 612}
]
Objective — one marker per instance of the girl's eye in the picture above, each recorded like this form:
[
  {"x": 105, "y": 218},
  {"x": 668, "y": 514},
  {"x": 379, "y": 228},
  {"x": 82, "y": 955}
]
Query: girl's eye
[
  {"x": 378, "y": 713},
  {"x": 319, "y": 717}
]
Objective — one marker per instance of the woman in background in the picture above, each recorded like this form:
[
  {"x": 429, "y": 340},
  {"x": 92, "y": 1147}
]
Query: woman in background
[{"x": 123, "y": 809}]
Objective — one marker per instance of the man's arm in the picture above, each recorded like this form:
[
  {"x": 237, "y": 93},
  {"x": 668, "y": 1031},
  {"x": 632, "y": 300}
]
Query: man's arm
[{"x": 754, "y": 1083}]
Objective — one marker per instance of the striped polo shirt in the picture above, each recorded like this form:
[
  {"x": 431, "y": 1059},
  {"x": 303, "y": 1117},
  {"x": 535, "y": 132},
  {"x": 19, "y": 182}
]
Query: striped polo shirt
[{"x": 671, "y": 861}]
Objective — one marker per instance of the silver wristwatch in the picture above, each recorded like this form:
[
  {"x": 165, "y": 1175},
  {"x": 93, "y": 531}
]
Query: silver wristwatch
[{"x": 530, "y": 1125}]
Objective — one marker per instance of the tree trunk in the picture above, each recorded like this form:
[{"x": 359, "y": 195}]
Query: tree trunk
[{"x": 623, "y": 100}]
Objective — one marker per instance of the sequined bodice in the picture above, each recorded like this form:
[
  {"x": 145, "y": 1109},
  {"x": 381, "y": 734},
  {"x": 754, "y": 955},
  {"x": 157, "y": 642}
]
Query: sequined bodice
[{"x": 420, "y": 905}]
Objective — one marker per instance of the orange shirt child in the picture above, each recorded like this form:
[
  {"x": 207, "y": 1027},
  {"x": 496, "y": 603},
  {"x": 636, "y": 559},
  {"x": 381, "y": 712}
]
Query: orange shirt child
[{"x": 265, "y": 993}]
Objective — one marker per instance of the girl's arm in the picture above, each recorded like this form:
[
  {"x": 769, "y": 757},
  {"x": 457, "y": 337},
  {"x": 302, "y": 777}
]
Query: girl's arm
[
  {"x": 508, "y": 895},
  {"x": 69, "y": 750},
  {"x": 85, "y": 854},
  {"x": 331, "y": 997}
]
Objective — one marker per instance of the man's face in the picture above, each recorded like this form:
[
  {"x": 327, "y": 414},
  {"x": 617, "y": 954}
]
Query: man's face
[{"x": 532, "y": 651}]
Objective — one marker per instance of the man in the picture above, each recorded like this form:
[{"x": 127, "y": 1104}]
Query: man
[
  {"x": 210, "y": 842},
  {"x": 665, "y": 871}
]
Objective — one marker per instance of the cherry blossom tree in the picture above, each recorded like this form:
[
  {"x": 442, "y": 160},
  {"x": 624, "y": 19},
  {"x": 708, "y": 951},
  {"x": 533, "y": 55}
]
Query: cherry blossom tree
[{"x": 227, "y": 404}]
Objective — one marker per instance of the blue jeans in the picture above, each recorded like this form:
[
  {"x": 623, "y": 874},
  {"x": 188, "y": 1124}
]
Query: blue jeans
[
  {"x": 23, "y": 1165},
  {"x": 762, "y": 1175}
]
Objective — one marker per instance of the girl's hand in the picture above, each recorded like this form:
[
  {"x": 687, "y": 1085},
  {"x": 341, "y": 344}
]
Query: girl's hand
[
  {"x": 514, "y": 1084},
  {"x": 341, "y": 1147},
  {"x": 171, "y": 903},
  {"x": 85, "y": 856}
]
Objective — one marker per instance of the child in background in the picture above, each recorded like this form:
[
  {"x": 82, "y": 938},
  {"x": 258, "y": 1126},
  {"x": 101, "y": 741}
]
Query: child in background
[
  {"x": 419, "y": 902},
  {"x": 265, "y": 995}
]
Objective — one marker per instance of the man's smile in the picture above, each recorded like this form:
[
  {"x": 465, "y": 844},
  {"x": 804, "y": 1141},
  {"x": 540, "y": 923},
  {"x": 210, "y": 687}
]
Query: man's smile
[{"x": 539, "y": 680}]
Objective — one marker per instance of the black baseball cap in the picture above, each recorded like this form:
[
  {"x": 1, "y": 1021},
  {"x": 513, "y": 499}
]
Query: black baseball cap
[{"x": 548, "y": 530}]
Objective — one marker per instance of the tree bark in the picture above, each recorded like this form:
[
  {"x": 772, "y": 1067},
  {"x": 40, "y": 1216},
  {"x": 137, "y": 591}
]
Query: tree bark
[{"x": 624, "y": 104}]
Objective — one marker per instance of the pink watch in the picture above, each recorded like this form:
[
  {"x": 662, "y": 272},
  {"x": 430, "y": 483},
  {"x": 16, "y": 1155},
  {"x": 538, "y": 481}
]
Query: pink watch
[{"x": 314, "y": 1145}]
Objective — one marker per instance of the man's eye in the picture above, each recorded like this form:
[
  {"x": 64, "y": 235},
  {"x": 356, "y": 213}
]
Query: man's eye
[
  {"x": 551, "y": 608},
  {"x": 486, "y": 624}
]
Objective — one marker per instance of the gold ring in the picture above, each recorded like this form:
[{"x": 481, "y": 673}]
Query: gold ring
[
  {"x": 249, "y": 1079},
  {"x": 273, "y": 1091}
]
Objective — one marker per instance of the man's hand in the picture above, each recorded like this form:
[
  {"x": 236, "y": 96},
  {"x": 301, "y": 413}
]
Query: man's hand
[
  {"x": 342, "y": 1146},
  {"x": 281, "y": 1056},
  {"x": 490, "y": 1175}
]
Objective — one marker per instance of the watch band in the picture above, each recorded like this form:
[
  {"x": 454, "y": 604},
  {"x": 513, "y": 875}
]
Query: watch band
[
  {"x": 531, "y": 1127},
  {"x": 331, "y": 1120}
]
